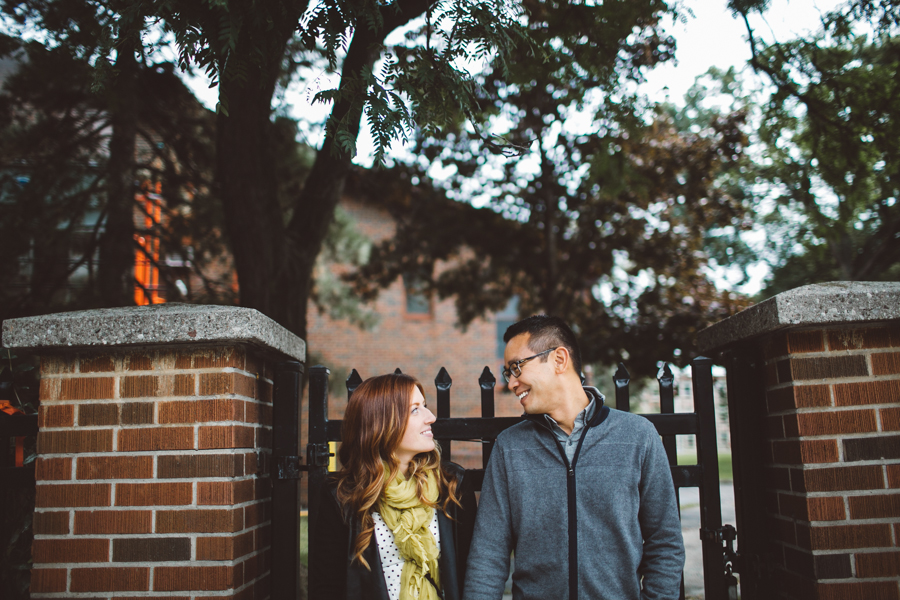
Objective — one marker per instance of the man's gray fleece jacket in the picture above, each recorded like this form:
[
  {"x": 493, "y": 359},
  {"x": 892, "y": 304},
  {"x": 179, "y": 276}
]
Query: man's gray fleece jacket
[{"x": 613, "y": 509}]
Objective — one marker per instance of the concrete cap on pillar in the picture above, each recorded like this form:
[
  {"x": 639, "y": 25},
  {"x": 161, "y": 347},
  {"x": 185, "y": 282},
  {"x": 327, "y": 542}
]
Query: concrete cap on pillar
[
  {"x": 821, "y": 304},
  {"x": 159, "y": 324}
]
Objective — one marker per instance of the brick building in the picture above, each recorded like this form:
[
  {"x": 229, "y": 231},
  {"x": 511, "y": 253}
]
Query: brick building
[{"x": 414, "y": 332}]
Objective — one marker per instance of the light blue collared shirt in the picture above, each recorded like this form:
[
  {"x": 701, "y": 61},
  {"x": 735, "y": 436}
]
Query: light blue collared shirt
[{"x": 569, "y": 441}]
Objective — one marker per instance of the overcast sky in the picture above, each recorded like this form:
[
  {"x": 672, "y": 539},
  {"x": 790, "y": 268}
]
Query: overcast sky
[{"x": 712, "y": 37}]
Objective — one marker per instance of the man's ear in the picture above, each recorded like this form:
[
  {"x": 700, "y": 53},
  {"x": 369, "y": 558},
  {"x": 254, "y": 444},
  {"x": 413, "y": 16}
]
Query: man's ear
[{"x": 561, "y": 359}]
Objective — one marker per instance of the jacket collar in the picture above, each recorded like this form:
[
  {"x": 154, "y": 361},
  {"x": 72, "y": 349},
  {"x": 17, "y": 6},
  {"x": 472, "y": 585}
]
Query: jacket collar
[{"x": 601, "y": 411}]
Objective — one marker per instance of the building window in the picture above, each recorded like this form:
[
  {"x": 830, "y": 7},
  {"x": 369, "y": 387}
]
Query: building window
[
  {"x": 504, "y": 319},
  {"x": 502, "y": 326},
  {"x": 147, "y": 288},
  {"x": 418, "y": 299}
]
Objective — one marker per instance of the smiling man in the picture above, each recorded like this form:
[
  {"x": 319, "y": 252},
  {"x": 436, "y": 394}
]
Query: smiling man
[{"x": 582, "y": 494}]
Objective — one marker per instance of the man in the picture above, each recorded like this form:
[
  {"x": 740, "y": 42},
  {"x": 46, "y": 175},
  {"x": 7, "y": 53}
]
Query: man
[{"x": 581, "y": 494}]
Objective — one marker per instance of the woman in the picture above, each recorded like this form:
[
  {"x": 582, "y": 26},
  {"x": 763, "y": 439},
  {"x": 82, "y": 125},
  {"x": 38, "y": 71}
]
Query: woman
[{"x": 389, "y": 524}]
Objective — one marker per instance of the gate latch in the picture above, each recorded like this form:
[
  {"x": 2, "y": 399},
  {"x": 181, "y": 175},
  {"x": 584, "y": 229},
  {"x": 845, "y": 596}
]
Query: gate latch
[
  {"x": 726, "y": 534},
  {"x": 287, "y": 467},
  {"x": 317, "y": 455}
]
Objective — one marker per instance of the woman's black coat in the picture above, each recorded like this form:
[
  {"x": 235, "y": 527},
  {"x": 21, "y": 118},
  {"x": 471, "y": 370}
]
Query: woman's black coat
[{"x": 332, "y": 573}]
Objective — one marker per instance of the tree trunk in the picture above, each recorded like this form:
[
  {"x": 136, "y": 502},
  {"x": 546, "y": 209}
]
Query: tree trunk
[
  {"x": 116, "y": 245},
  {"x": 314, "y": 209},
  {"x": 549, "y": 203},
  {"x": 275, "y": 263},
  {"x": 245, "y": 183},
  {"x": 245, "y": 176}
]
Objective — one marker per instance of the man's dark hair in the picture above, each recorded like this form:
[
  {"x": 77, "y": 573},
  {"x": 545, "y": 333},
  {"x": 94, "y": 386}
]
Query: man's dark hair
[{"x": 547, "y": 332}]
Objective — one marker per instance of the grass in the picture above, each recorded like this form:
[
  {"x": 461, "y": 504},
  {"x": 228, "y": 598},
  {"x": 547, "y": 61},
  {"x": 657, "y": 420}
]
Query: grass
[
  {"x": 726, "y": 472},
  {"x": 304, "y": 540}
]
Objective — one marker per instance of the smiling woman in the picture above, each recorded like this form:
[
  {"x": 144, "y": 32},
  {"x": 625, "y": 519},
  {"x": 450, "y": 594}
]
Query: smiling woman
[{"x": 394, "y": 491}]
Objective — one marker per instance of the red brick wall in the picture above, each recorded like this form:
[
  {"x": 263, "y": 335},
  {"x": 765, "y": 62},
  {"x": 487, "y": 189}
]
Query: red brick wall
[
  {"x": 418, "y": 345},
  {"x": 151, "y": 475},
  {"x": 833, "y": 403}
]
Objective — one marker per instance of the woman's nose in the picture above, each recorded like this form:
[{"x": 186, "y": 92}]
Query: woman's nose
[{"x": 429, "y": 418}]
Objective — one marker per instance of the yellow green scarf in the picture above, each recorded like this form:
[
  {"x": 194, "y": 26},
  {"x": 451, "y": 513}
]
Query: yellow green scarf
[{"x": 408, "y": 519}]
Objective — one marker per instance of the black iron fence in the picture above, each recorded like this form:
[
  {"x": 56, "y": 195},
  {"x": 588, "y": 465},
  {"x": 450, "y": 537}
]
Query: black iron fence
[
  {"x": 17, "y": 438},
  {"x": 14, "y": 429},
  {"x": 716, "y": 539}
]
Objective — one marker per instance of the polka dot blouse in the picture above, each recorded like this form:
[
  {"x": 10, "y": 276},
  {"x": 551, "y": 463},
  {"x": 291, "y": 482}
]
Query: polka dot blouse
[{"x": 391, "y": 562}]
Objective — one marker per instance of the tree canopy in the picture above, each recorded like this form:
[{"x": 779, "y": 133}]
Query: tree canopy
[
  {"x": 599, "y": 201},
  {"x": 830, "y": 137},
  {"x": 248, "y": 49},
  {"x": 604, "y": 222},
  {"x": 610, "y": 211}
]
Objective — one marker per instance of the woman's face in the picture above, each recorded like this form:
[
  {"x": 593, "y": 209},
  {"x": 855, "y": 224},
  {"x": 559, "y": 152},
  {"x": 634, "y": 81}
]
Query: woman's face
[{"x": 418, "y": 437}]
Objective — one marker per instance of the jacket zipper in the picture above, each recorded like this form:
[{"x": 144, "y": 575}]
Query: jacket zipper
[{"x": 572, "y": 511}]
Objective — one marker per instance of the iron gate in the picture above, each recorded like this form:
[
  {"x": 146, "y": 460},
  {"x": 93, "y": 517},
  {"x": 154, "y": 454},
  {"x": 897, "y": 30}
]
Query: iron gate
[
  {"x": 17, "y": 487},
  {"x": 716, "y": 540}
]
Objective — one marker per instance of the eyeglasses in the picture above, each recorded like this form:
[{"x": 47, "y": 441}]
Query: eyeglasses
[{"x": 515, "y": 369}]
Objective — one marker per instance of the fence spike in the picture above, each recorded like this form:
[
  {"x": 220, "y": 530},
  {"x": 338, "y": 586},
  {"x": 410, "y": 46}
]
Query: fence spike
[
  {"x": 621, "y": 379},
  {"x": 664, "y": 376},
  {"x": 397, "y": 371},
  {"x": 443, "y": 380},
  {"x": 487, "y": 379},
  {"x": 353, "y": 382},
  {"x": 622, "y": 376}
]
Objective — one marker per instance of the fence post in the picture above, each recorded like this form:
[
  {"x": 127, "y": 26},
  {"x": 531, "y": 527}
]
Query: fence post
[
  {"x": 316, "y": 451},
  {"x": 710, "y": 499},
  {"x": 286, "y": 480},
  {"x": 747, "y": 416},
  {"x": 667, "y": 407},
  {"x": 621, "y": 380},
  {"x": 486, "y": 382},
  {"x": 443, "y": 382}
]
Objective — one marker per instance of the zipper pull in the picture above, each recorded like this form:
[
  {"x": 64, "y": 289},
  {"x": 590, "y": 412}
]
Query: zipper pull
[{"x": 571, "y": 472}]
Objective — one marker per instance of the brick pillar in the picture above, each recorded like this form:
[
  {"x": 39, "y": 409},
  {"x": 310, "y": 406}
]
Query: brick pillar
[
  {"x": 829, "y": 447},
  {"x": 152, "y": 474}
]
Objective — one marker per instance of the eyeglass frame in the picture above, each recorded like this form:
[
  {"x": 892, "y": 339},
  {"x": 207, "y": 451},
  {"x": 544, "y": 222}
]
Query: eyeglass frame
[{"x": 517, "y": 365}]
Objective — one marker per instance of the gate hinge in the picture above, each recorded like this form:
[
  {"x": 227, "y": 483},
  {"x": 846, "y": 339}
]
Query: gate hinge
[
  {"x": 317, "y": 455},
  {"x": 287, "y": 467}
]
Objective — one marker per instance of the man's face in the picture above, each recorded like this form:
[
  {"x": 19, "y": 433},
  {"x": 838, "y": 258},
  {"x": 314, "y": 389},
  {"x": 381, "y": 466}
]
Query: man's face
[{"x": 533, "y": 387}]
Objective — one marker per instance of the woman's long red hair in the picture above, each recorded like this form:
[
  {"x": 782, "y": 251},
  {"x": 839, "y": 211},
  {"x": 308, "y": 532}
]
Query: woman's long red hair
[{"x": 374, "y": 424}]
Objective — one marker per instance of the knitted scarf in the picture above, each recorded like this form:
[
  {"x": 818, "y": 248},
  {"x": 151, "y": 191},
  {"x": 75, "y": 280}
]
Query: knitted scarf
[{"x": 408, "y": 518}]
